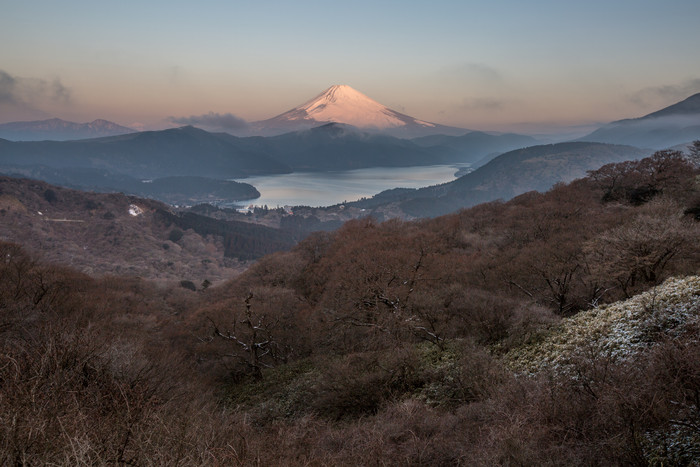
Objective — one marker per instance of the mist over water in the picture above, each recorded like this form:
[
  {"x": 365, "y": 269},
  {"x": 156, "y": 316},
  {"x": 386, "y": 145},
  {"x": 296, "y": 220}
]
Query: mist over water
[{"x": 317, "y": 189}]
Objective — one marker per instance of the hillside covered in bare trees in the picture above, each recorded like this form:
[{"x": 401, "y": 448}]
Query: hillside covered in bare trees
[{"x": 557, "y": 328}]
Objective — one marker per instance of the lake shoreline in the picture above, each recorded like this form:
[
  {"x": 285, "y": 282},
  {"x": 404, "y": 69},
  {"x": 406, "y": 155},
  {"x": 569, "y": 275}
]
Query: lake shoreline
[{"x": 320, "y": 189}]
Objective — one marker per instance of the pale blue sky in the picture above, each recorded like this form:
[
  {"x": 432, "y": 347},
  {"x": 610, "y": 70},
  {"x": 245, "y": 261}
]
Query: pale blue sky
[{"x": 497, "y": 65}]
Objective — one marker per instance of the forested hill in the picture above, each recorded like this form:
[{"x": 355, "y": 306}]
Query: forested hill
[
  {"x": 111, "y": 233},
  {"x": 149, "y": 154},
  {"x": 535, "y": 168}
]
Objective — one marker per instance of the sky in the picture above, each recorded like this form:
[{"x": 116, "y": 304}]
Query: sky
[{"x": 533, "y": 67}]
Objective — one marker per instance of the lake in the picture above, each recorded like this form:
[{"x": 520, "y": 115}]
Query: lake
[{"x": 317, "y": 189}]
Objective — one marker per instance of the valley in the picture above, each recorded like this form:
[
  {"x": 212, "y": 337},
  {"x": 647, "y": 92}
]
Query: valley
[{"x": 339, "y": 133}]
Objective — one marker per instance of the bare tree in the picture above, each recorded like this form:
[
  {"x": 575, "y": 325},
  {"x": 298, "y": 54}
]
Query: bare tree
[
  {"x": 694, "y": 153},
  {"x": 639, "y": 181},
  {"x": 638, "y": 252},
  {"x": 253, "y": 339}
]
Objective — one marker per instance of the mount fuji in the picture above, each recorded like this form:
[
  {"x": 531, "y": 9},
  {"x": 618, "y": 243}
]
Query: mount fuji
[{"x": 343, "y": 104}]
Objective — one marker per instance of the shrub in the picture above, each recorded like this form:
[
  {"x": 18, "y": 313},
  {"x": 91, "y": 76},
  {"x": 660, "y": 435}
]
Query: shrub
[
  {"x": 175, "y": 235},
  {"x": 185, "y": 284},
  {"x": 50, "y": 196}
]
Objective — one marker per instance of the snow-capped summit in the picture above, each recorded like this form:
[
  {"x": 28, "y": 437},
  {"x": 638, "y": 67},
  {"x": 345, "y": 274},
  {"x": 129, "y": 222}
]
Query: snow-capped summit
[{"x": 343, "y": 104}]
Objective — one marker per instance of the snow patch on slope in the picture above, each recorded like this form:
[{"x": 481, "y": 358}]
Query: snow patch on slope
[
  {"x": 135, "y": 210},
  {"x": 617, "y": 331}
]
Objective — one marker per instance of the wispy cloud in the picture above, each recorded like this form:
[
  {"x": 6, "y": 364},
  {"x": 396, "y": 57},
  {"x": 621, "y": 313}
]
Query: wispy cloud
[
  {"x": 59, "y": 92},
  {"x": 482, "y": 103},
  {"x": 174, "y": 74},
  {"x": 7, "y": 88},
  {"x": 212, "y": 121},
  {"x": 665, "y": 94},
  {"x": 468, "y": 71},
  {"x": 18, "y": 90},
  {"x": 22, "y": 97}
]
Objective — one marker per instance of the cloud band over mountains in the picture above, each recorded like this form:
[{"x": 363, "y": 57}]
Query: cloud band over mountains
[
  {"x": 655, "y": 95},
  {"x": 29, "y": 97}
]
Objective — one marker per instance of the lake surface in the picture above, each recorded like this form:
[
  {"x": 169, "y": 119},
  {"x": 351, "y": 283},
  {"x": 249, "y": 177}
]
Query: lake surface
[{"x": 328, "y": 188}]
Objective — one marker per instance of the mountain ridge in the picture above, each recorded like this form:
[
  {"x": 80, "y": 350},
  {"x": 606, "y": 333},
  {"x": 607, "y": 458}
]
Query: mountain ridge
[
  {"x": 56, "y": 129},
  {"x": 148, "y": 154},
  {"x": 477, "y": 147},
  {"x": 673, "y": 125},
  {"x": 690, "y": 105}
]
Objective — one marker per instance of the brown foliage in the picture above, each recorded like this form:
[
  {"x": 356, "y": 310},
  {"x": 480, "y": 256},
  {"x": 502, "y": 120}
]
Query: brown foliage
[
  {"x": 637, "y": 182},
  {"x": 386, "y": 344},
  {"x": 637, "y": 253}
]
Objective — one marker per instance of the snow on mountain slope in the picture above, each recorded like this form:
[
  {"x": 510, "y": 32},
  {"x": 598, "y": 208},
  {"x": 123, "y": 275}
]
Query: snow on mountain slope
[{"x": 343, "y": 104}]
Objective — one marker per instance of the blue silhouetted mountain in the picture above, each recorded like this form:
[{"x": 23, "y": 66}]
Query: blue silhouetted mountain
[
  {"x": 56, "y": 129},
  {"x": 476, "y": 147},
  {"x": 336, "y": 146},
  {"x": 149, "y": 154},
  {"x": 670, "y": 126},
  {"x": 535, "y": 168}
]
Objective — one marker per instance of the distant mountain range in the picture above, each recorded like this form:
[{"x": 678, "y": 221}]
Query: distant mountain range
[
  {"x": 676, "y": 124},
  {"x": 340, "y": 129},
  {"x": 336, "y": 146},
  {"x": 56, "y": 129},
  {"x": 670, "y": 126},
  {"x": 476, "y": 147},
  {"x": 343, "y": 104},
  {"x": 189, "y": 151},
  {"x": 148, "y": 155}
]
